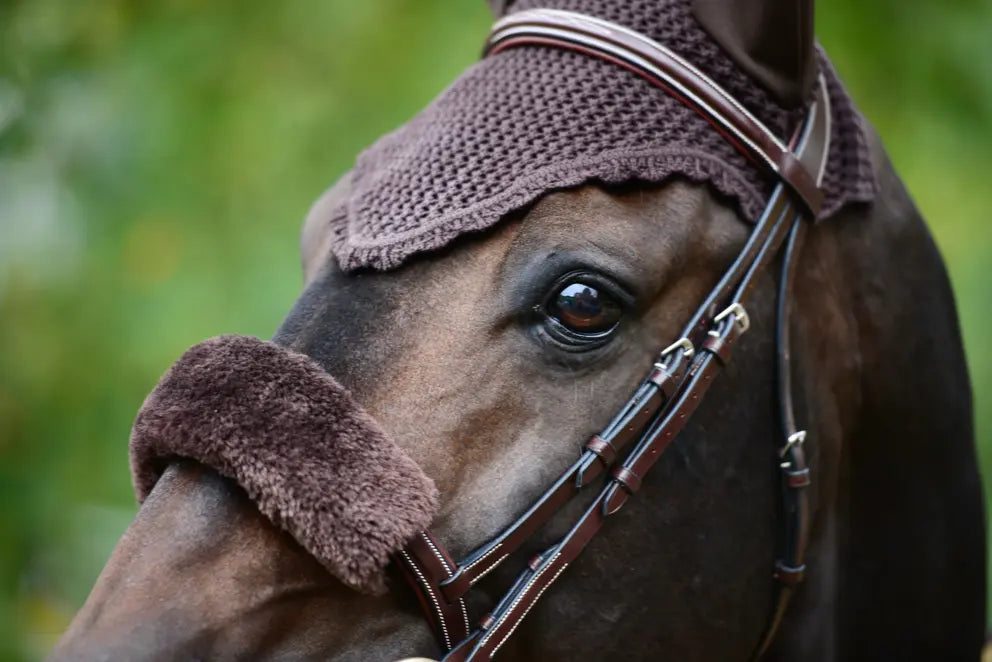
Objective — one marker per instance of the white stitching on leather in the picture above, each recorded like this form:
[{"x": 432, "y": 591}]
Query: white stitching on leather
[
  {"x": 521, "y": 596},
  {"x": 488, "y": 570},
  {"x": 483, "y": 557},
  {"x": 447, "y": 568},
  {"x": 437, "y": 553},
  {"x": 527, "y": 611},
  {"x": 430, "y": 592}
]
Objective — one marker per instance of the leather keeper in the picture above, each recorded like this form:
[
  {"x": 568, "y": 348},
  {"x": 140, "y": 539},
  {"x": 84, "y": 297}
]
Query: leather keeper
[
  {"x": 789, "y": 575},
  {"x": 718, "y": 347},
  {"x": 664, "y": 381},
  {"x": 801, "y": 182},
  {"x": 602, "y": 448},
  {"x": 630, "y": 481},
  {"x": 797, "y": 479},
  {"x": 456, "y": 586}
]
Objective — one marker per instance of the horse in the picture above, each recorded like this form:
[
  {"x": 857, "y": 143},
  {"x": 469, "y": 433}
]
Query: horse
[{"x": 460, "y": 356}]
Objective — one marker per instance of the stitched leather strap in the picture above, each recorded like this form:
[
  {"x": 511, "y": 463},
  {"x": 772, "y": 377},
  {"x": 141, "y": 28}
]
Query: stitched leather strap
[
  {"x": 596, "y": 457},
  {"x": 426, "y": 565},
  {"x": 776, "y": 224},
  {"x": 789, "y": 569}
]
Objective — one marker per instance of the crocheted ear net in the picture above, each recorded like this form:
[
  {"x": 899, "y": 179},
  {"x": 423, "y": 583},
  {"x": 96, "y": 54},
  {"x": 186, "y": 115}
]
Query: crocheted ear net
[{"x": 535, "y": 119}]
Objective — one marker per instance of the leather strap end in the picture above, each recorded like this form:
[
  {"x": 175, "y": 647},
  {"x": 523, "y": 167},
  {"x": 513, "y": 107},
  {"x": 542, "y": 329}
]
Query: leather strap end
[{"x": 614, "y": 500}]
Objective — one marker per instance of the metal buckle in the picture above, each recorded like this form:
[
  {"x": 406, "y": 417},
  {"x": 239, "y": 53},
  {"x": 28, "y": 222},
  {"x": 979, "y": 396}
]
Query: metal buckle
[
  {"x": 740, "y": 315},
  {"x": 684, "y": 343},
  {"x": 795, "y": 439}
]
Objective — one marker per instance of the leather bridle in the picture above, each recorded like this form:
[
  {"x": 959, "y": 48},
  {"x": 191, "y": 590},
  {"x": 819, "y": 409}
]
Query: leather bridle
[{"x": 676, "y": 383}]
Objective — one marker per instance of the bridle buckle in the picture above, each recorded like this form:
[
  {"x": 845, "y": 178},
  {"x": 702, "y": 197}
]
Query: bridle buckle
[
  {"x": 688, "y": 349},
  {"x": 740, "y": 315},
  {"x": 795, "y": 439}
]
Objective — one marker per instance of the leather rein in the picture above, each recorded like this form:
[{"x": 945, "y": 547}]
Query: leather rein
[{"x": 683, "y": 372}]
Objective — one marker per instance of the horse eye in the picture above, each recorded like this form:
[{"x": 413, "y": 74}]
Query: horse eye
[{"x": 584, "y": 309}]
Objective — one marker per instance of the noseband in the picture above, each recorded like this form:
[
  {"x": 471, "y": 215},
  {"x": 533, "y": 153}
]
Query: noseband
[{"x": 683, "y": 372}]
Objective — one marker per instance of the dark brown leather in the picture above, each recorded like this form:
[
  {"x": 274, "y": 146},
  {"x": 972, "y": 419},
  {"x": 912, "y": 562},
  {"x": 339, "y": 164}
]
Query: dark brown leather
[
  {"x": 719, "y": 347},
  {"x": 796, "y": 477},
  {"x": 448, "y": 618},
  {"x": 624, "y": 428},
  {"x": 604, "y": 449},
  {"x": 672, "y": 390},
  {"x": 664, "y": 380},
  {"x": 799, "y": 177},
  {"x": 626, "y": 478}
]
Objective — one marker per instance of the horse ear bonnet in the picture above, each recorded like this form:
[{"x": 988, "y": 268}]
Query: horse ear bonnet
[
  {"x": 531, "y": 120},
  {"x": 307, "y": 455}
]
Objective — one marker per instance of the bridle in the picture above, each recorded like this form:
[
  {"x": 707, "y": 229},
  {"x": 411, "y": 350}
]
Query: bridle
[{"x": 661, "y": 406}]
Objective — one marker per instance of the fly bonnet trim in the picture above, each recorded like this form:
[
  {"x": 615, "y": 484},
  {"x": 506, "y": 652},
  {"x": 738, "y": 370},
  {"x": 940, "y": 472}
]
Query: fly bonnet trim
[
  {"x": 524, "y": 122},
  {"x": 683, "y": 372}
]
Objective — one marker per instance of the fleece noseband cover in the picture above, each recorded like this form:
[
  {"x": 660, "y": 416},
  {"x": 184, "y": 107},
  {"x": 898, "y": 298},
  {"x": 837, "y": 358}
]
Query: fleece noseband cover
[{"x": 310, "y": 458}]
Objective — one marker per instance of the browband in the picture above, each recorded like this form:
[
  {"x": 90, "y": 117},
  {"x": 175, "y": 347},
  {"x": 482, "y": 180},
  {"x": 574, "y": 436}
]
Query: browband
[
  {"x": 664, "y": 68},
  {"x": 683, "y": 372}
]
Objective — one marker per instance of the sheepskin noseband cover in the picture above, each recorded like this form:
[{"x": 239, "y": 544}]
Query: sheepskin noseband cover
[{"x": 310, "y": 458}]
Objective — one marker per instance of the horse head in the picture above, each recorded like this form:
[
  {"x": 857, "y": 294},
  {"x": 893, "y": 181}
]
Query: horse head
[{"x": 490, "y": 359}]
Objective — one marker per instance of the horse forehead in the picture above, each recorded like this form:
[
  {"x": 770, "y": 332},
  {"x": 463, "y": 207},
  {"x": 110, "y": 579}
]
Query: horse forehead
[
  {"x": 631, "y": 211},
  {"x": 644, "y": 230}
]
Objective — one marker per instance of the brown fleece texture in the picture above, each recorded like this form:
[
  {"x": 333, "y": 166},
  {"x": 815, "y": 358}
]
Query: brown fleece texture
[{"x": 310, "y": 458}]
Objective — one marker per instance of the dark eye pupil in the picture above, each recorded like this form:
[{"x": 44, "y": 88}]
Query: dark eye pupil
[{"x": 584, "y": 309}]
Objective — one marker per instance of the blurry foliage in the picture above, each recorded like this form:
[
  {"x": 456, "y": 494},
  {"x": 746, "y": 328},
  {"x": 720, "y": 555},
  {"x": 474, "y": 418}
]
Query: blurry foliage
[{"x": 156, "y": 159}]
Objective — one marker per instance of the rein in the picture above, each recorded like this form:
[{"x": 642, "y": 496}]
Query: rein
[{"x": 676, "y": 383}]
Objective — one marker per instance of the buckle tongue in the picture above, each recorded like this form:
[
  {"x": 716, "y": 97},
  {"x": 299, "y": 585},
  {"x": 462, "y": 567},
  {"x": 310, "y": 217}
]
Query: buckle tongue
[
  {"x": 740, "y": 315},
  {"x": 795, "y": 439},
  {"x": 682, "y": 343}
]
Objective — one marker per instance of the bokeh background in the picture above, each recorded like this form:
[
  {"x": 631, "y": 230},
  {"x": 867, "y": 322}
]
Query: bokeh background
[{"x": 156, "y": 159}]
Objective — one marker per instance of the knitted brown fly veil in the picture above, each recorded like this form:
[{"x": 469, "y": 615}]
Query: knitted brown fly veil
[
  {"x": 308, "y": 456},
  {"x": 528, "y": 121}
]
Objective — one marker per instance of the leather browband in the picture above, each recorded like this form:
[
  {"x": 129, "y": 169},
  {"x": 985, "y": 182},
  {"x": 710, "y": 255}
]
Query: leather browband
[
  {"x": 677, "y": 382},
  {"x": 662, "y": 67}
]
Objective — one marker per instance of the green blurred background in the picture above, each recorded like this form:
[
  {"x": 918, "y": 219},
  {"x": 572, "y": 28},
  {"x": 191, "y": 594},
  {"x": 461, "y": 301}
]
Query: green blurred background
[{"x": 156, "y": 159}]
